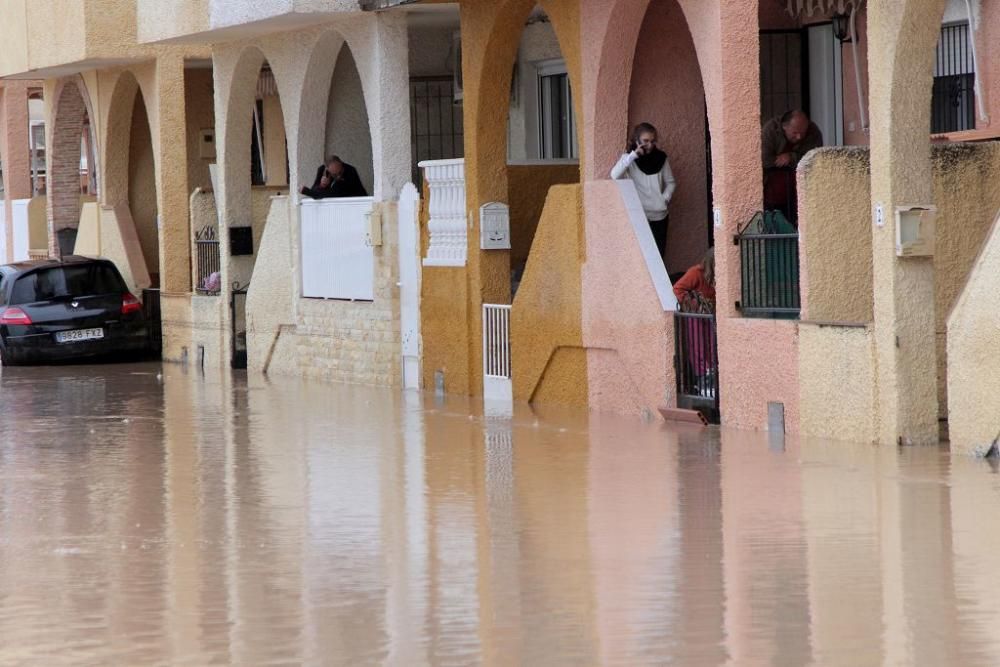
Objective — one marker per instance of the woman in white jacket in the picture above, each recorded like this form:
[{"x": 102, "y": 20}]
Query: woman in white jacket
[{"x": 649, "y": 169}]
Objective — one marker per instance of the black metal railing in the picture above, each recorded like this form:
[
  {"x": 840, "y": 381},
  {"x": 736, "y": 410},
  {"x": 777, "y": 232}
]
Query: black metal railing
[
  {"x": 696, "y": 363},
  {"x": 207, "y": 262},
  {"x": 769, "y": 267},
  {"x": 953, "y": 97}
]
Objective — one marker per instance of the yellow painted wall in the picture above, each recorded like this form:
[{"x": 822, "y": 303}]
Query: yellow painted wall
[
  {"x": 835, "y": 235},
  {"x": 837, "y": 382},
  {"x": 38, "y": 225},
  {"x": 452, "y": 298},
  {"x": 527, "y": 188},
  {"x": 837, "y": 283},
  {"x": 967, "y": 194},
  {"x": 275, "y": 150},
  {"x": 549, "y": 362},
  {"x": 158, "y": 20}
]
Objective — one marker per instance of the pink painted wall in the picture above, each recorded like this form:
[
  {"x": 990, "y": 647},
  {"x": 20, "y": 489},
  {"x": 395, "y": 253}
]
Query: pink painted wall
[
  {"x": 988, "y": 52},
  {"x": 758, "y": 364},
  {"x": 667, "y": 91},
  {"x": 852, "y": 114},
  {"x": 627, "y": 333}
]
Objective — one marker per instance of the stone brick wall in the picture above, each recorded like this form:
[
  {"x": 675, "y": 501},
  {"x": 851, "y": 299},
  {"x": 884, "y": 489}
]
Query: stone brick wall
[{"x": 357, "y": 342}]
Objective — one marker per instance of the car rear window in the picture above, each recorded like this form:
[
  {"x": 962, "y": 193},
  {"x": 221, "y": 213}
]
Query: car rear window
[{"x": 66, "y": 281}]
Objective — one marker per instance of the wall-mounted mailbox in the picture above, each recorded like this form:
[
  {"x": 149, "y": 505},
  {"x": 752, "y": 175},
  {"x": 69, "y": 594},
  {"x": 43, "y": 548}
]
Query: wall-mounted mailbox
[
  {"x": 374, "y": 218},
  {"x": 494, "y": 226},
  {"x": 240, "y": 241},
  {"x": 915, "y": 231}
]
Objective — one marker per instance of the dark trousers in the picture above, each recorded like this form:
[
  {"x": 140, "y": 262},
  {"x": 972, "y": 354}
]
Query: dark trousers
[{"x": 659, "y": 229}]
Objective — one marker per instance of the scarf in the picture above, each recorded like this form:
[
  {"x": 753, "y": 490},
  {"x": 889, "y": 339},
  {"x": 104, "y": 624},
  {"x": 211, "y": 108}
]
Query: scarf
[{"x": 651, "y": 163}]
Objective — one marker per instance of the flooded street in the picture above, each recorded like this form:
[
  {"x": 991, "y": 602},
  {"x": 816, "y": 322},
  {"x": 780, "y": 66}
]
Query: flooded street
[{"x": 153, "y": 515}]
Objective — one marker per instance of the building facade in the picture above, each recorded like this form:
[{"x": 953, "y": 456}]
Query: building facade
[{"x": 494, "y": 255}]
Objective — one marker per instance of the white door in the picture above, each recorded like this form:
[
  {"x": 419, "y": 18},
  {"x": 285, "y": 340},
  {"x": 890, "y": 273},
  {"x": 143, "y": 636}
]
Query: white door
[
  {"x": 826, "y": 84},
  {"x": 409, "y": 284}
]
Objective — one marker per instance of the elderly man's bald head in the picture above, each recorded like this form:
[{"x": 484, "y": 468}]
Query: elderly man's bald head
[{"x": 796, "y": 125}]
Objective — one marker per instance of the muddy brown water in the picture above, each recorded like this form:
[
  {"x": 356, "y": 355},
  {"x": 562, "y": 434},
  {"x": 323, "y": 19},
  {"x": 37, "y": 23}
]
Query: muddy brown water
[{"x": 154, "y": 515}]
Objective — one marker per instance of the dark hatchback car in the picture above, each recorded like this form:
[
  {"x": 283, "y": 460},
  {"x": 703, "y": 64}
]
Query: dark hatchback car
[{"x": 59, "y": 310}]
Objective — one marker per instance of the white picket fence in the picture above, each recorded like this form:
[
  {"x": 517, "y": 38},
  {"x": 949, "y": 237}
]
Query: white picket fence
[
  {"x": 496, "y": 353},
  {"x": 338, "y": 261}
]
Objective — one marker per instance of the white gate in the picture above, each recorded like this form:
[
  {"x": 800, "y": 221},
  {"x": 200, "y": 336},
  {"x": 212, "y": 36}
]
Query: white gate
[
  {"x": 338, "y": 261},
  {"x": 409, "y": 284},
  {"x": 22, "y": 229},
  {"x": 496, "y": 353}
]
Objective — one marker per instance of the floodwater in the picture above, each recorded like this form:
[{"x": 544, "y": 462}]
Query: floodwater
[{"x": 154, "y": 515}]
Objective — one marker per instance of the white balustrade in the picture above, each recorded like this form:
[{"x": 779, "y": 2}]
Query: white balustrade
[
  {"x": 338, "y": 261},
  {"x": 448, "y": 224}
]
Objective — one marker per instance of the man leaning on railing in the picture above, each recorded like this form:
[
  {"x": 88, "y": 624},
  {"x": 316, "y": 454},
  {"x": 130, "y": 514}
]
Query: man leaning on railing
[{"x": 784, "y": 141}]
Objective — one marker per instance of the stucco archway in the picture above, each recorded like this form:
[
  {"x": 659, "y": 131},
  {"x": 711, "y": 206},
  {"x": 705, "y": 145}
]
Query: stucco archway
[
  {"x": 71, "y": 115},
  {"x": 130, "y": 167},
  {"x": 334, "y": 115},
  {"x": 667, "y": 91}
]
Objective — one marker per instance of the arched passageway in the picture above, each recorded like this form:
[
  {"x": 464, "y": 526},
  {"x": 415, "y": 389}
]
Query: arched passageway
[{"x": 71, "y": 167}]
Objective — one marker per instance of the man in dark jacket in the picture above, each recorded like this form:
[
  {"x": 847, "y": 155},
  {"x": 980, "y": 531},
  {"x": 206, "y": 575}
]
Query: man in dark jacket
[
  {"x": 784, "y": 141},
  {"x": 336, "y": 178}
]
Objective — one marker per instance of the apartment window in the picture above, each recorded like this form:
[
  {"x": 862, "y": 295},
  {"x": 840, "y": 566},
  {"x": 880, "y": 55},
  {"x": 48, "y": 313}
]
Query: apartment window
[
  {"x": 952, "y": 102},
  {"x": 258, "y": 175},
  {"x": 556, "y": 120}
]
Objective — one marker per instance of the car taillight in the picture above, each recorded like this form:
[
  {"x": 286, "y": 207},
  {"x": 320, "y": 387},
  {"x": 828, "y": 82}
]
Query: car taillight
[
  {"x": 14, "y": 315},
  {"x": 130, "y": 304}
]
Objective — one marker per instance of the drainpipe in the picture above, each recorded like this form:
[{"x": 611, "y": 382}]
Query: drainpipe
[
  {"x": 980, "y": 102},
  {"x": 862, "y": 109}
]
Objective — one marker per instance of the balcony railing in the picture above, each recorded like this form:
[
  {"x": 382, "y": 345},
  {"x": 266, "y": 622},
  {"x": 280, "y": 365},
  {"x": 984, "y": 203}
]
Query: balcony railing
[
  {"x": 208, "y": 278},
  {"x": 769, "y": 267}
]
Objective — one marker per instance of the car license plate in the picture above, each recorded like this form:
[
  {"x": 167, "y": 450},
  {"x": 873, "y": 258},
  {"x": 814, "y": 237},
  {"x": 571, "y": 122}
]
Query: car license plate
[{"x": 78, "y": 335}]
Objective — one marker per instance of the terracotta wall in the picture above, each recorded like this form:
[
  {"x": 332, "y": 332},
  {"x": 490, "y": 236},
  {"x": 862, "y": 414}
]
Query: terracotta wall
[
  {"x": 528, "y": 187},
  {"x": 549, "y": 362}
]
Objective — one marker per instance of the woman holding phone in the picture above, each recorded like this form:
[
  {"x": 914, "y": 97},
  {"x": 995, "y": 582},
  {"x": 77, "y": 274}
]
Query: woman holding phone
[{"x": 649, "y": 169}]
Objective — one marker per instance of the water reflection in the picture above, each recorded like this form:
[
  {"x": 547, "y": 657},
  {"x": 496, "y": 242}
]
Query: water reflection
[{"x": 152, "y": 515}]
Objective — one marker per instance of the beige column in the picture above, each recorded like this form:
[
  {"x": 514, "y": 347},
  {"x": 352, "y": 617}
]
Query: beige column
[
  {"x": 170, "y": 140},
  {"x": 900, "y": 73}
]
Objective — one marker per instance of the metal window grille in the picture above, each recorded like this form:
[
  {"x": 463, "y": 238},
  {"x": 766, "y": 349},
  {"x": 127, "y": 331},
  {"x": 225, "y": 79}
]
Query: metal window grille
[
  {"x": 437, "y": 132},
  {"x": 696, "y": 363},
  {"x": 953, "y": 97},
  {"x": 769, "y": 267},
  {"x": 207, "y": 261},
  {"x": 783, "y": 73}
]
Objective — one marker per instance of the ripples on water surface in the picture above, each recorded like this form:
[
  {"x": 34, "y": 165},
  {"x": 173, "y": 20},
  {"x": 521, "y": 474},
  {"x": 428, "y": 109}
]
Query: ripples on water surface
[{"x": 158, "y": 516}]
